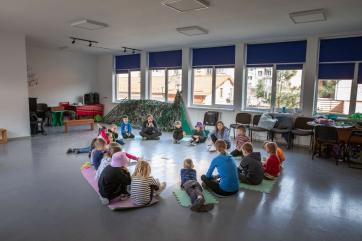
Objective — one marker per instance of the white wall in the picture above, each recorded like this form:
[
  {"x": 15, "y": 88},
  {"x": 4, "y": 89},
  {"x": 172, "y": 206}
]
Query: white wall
[
  {"x": 105, "y": 81},
  {"x": 62, "y": 75},
  {"x": 14, "y": 107}
]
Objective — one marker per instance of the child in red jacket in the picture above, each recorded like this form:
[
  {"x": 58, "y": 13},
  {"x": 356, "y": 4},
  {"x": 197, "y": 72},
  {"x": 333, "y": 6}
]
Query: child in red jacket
[{"x": 272, "y": 164}]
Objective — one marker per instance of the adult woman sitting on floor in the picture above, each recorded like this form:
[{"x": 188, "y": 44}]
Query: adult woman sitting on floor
[
  {"x": 220, "y": 133},
  {"x": 150, "y": 130},
  {"x": 227, "y": 182}
]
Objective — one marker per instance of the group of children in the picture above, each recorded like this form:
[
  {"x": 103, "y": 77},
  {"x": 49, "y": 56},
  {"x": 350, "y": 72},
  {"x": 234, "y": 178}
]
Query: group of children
[{"x": 114, "y": 179}]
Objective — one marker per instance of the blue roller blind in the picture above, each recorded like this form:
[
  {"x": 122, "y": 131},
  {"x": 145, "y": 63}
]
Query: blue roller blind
[
  {"x": 274, "y": 53},
  {"x": 336, "y": 71},
  {"x": 289, "y": 66},
  {"x": 165, "y": 59},
  {"x": 213, "y": 56},
  {"x": 126, "y": 62},
  {"x": 340, "y": 50},
  {"x": 359, "y": 79}
]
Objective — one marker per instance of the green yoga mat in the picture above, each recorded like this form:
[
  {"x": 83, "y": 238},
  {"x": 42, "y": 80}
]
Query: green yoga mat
[
  {"x": 266, "y": 186},
  {"x": 185, "y": 201}
]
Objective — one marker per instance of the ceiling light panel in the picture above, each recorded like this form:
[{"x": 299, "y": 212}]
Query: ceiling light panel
[
  {"x": 88, "y": 24},
  {"x": 186, "y": 5},
  {"x": 317, "y": 15},
  {"x": 192, "y": 31}
]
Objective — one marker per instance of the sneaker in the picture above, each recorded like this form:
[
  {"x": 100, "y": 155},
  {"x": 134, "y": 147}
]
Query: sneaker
[
  {"x": 69, "y": 151},
  {"x": 144, "y": 138},
  {"x": 206, "y": 208},
  {"x": 199, "y": 202},
  {"x": 104, "y": 201},
  {"x": 76, "y": 151},
  {"x": 174, "y": 142},
  {"x": 212, "y": 148},
  {"x": 156, "y": 138},
  {"x": 194, "y": 143}
]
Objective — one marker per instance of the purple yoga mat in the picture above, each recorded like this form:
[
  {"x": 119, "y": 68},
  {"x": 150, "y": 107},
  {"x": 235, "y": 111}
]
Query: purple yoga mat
[{"x": 115, "y": 204}]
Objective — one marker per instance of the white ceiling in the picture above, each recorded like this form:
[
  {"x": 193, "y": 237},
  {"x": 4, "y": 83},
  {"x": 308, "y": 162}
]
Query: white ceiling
[{"x": 147, "y": 25}]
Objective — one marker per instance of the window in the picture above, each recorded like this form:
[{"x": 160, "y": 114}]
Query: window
[
  {"x": 224, "y": 86},
  {"x": 128, "y": 85},
  {"x": 202, "y": 86},
  {"x": 159, "y": 79},
  {"x": 334, "y": 96},
  {"x": 135, "y": 85},
  {"x": 174, "y": 83},
  {"x": 158, "y": 84},
  {"x": 288, "y": 89},
  {"x": 259, "y": 90},
  {"x": 122, "y": 86},
  {"x": 359, "y": 99}
]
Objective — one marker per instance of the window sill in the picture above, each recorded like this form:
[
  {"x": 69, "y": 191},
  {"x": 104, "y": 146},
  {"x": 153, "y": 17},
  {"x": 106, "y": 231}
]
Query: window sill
[{"x": 211, "y": 108}]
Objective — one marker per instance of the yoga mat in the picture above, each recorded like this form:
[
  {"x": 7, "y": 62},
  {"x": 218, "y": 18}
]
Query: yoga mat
[
  {"x": 266, "y": 186},
  {"x": 185, "y": 201},
  {"x": 115, "y": 204}
]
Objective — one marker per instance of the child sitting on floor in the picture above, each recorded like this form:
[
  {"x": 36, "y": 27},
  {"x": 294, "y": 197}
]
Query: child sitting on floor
[
  {"x": 279, "y": 152},
  {"x": 241, "y": 139},
  {"x": 107, "y": 157},
  {"x": 114, "y": 179},
  {"x": 143, "y": 185},
  {"x": 250, "y": 168},
  {"x": 226, "y": 167},
  {"x": 98, "y": 152},
  {"x": 114, "y": 131},
  {"x": 126, "y": 128},
  {"x": 190, "y": 184},
  {"x": 178, "y": 133},
  {"x": 87, "y": 149},
  {"x": 272, "y": 165},
  {"x": 220, "y": 133},
  {"x": 150, "y": 130},
  {"x": 198, "y": 135}
]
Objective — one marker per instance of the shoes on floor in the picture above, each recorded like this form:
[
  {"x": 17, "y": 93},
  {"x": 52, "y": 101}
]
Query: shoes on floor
[
  {"x": 76, "y": 151},
  {"x": 70, "y": 150},
  {"x": 104, "y": 201},
  {"x": 212, "y": 148},
  {"x": 155, "y": 138},
  {"x": 199, "y": 202},
  {"x": 206, "y": 208}
]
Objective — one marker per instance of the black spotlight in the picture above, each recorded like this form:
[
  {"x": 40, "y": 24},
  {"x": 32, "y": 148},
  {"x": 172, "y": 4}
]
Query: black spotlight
[
  {"x": 124, "y": 50},
  {"x": 90, "y": 44},
  {"x": 133, "y": 51},
  {"x": 73, "y": 41}
]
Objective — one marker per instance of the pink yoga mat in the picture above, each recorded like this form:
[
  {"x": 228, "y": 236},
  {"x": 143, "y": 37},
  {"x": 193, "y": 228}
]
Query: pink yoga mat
[{"x": 116, "y": 204}]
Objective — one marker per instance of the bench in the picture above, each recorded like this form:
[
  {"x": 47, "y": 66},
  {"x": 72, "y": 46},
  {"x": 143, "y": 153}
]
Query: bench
[
  {"x": 78, "y": 123},
  {"x": 4, "y": 136}
]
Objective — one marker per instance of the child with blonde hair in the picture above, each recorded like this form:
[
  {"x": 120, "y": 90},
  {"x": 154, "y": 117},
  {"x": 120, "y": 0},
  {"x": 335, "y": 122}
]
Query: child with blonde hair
[
  {"x": 143, "y": 185},
  {"x": 193, "y": 188},
  {"x": 272, "y": 165},
  {"x": 178, "y": 133}
]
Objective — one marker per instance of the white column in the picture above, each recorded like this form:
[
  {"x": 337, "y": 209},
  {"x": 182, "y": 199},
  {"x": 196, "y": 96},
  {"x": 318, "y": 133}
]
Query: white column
[
  {"x": 310, "y": 76},
  {"x": 186, "y": 76},
  {"x": 354, "y": 88},
  {"x": 144, "y": 75},
  {"x": 239, "y": 75}
]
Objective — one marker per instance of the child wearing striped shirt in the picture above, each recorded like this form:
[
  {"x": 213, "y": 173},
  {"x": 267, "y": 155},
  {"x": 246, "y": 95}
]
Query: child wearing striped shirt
[
  {"x": 143, "y": 185},
  {"x": 241, "y": 139}
]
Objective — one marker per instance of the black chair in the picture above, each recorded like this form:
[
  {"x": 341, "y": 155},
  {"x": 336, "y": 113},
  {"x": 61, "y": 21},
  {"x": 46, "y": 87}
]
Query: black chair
[
  {"x": 42, "y": 114},
  {"x": 354, "y": 149},
  {"x": 254, "y": 127},
  {"x": 301, "y": 128},
  {"x": 241, "y": 119},
  {"x": 325, "y": 135},
  {"x": 284, "y": 127},
  {"x": 211, "y": 117}
]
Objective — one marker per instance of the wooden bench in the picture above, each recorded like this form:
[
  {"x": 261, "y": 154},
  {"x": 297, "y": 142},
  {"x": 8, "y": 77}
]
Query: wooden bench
[
  {"x": 4, "y": 136},
  {"x": 78, "y": 123}
]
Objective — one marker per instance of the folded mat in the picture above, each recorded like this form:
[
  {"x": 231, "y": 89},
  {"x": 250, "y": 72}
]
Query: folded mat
[
  {"x": 265, "y": 186},
  {"x": 185, "y": 201},
  {"x": 115, "y": 204}
]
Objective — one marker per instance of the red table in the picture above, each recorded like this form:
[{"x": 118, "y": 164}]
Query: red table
[{"x": 89, "y": 110}]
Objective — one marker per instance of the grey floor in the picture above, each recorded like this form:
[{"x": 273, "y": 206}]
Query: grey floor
[{"x": 44, "y": 197}]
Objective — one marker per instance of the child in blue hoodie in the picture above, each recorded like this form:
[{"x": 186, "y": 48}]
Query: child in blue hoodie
[
  {"x": 126, "y": 128},
  {"x": 227, "y": 182}
]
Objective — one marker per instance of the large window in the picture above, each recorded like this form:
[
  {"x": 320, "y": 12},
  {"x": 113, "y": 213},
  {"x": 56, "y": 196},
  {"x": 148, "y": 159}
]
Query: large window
[
  {"x": 334, "y": 96},
  {"x": 288, "y": 89},
  {"x": 165, "y": 83},
  {"x": 202, "y": 86},
  {"x": 259, "y": 88},
  {"x": 128, "y": 85},
  {"x": 359, "y": 99},
  {"x": 224, "y": 89}
]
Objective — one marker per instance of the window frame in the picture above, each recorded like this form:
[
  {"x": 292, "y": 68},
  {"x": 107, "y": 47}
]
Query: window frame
[
  {"x": 166, "y": 82},
  {"x": 115, "y": 87},
  {"x": 213, "y": 104},
  {"x": 274, "y": 77}
]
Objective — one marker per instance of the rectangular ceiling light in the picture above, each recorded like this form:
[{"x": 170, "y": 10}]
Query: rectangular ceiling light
[
  {"x": 88, "y": 24},
  {"x": 192, "y": 30},
  {"x": 186, "y": 5},
  {"x": 317, "y": 15}
]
